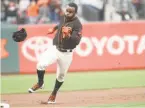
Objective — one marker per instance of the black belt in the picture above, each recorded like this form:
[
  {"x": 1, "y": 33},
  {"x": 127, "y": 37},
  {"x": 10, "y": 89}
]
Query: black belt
[{"x": 64, "y": 50}]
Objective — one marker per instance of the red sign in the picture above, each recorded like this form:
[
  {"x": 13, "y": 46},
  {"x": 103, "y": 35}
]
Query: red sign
[{"x": 104, "y": 46}]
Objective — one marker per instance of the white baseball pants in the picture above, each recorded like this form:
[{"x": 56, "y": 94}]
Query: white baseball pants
[{"x": 52, "y": 55}]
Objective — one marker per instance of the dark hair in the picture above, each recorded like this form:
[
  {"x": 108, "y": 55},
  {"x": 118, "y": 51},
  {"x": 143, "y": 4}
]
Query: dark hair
[{"x": 74, "y": 5}]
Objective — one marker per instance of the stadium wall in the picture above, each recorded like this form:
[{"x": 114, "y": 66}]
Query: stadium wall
[{"x": 104, "y": 46}]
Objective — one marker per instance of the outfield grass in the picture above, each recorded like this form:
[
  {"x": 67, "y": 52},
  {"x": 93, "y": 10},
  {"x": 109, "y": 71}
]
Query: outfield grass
[
  {"x": 128, "y": 105},
  {"x": 76, "y": 81}
]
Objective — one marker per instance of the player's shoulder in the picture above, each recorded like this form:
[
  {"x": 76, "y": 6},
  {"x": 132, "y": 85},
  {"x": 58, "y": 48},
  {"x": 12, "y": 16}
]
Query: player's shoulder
[
  {"x": 62, "y": 17},
  {"x": 77, "y": 21}
]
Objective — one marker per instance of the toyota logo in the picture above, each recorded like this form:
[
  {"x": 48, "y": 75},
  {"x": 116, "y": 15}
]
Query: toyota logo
[{"x": 35, "y": 46}]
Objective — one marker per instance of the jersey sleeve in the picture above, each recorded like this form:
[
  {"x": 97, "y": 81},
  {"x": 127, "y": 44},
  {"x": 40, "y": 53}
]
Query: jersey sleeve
[{"x": 77, "y": 33}]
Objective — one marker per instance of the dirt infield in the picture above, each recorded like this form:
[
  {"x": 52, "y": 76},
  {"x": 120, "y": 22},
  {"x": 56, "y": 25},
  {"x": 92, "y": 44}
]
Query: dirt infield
[{"x": 78, "y": 98}]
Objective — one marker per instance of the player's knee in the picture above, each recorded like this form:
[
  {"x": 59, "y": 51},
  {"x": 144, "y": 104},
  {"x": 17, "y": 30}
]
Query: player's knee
[
  {"x": 60, "y": 77},
  {"x": 41, "y": 66}
]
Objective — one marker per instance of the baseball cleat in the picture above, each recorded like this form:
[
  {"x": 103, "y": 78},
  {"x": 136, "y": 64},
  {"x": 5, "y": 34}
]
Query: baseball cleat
[
  {"x": 51, "y": 99},
  {"x": 35, "y": 87},
  {"x": 30, "y": 90}
]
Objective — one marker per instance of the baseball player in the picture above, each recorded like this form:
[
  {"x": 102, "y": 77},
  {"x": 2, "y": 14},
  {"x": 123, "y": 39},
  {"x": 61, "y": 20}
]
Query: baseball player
[{"x": 67, "y": 37}]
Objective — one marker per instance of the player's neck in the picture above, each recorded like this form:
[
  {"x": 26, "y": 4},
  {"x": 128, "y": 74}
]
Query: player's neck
[{"x": 71, "y": 19}]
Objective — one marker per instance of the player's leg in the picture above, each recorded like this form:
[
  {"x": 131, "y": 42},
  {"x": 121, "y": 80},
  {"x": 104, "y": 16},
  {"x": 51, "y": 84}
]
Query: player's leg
[
  {"x": 63, "y": 65},
  {"x": 46, "y": 59}
]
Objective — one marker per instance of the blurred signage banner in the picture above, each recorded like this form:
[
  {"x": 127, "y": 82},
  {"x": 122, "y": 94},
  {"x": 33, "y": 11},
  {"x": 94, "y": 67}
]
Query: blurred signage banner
[
  {"x": 104, "y": 46},
  {"x": 9, "y": 50},
  {"x": 4, "y": 52}
]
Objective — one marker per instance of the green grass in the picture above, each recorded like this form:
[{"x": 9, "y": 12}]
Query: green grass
[
  {"x": 127, "y": 105},
  {"x": 77, "y": 81}
]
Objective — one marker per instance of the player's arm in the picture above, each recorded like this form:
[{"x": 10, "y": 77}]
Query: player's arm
[
  {"x": 76, "y": 33},
  {"x": 52, "y": 30},
  {"x": 56, "y": 27}
]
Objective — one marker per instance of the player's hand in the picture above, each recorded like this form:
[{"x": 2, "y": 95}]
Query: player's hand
[
  {"x": 66, "y": 31},
  {"x": 50, "y": 31}
]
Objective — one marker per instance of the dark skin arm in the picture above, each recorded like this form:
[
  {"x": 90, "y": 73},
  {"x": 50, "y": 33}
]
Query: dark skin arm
[{"x": 50, "y": 31}]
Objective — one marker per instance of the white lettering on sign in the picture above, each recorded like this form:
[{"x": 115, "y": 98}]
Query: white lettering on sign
[
  {"x": 113, "y": 45},
  {"x": 110, "y": 45},
  {"x": 89, "y": 47},
  {"x": 141, "y": 46},
  {"x": 99, "y": 44},
  {"x": 131, "y": 43}
]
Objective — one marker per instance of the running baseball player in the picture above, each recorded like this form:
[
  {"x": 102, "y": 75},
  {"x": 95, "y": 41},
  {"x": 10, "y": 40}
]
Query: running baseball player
[{"x": 67, "y": 37}]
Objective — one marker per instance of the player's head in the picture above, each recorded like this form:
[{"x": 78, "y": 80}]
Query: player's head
[{"x": 71, "y": 10}]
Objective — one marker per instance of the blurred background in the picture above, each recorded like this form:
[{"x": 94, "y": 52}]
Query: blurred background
[
  {"x": 110, "y": 55},
  {"x": 49, "y": 11}
]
